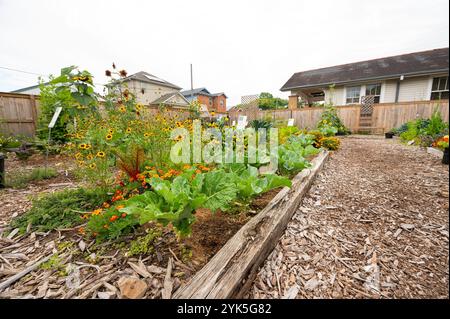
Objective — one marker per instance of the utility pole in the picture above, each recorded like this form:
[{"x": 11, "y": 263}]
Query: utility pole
[{"x": 192, "y": 83}]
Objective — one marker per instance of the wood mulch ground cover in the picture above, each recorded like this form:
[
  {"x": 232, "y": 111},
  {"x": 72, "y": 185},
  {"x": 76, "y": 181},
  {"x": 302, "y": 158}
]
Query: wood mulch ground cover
[
  {"x": 375, "y": 224},
  {"x": 83, "y": 269}
]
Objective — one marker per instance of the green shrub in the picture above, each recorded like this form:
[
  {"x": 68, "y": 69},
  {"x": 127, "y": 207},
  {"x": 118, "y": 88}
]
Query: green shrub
[
  {"x": 330, "y": 123},
  {"x": 257, "y": 124},
  {"x": 110, "y": 224},
  {"x": 60, "y": 210},
  {"x": 20, "y": 180},
  {"x": 331, "y": 143}
]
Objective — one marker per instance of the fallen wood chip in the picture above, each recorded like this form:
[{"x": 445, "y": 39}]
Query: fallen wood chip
[
  {"x": 292, "y": 292},
  {"x": 24, "y": 272},
  {"x": 132, "y": 288},
  {"x": 168, "y": 282},
  {"x": 140, "y": 269}
]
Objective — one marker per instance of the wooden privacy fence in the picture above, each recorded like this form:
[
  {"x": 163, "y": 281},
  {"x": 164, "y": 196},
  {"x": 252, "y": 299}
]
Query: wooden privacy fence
[
  {"x": 18, "y": 114},
  {"x": 384, "y": 117}
]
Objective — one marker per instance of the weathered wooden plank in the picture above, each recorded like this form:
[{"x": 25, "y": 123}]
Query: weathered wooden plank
[{"x": 236, "y": 264}]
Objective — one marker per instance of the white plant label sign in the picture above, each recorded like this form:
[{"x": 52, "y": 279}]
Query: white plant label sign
[
  {"x": 55, "y": 117},
  {"x": 291, "y": 122},
  {"x": 242, "y": 122}
]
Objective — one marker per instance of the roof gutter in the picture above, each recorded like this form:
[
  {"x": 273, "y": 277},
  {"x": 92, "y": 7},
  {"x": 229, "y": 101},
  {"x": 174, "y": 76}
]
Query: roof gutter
[{"x": 387, "y": 77}]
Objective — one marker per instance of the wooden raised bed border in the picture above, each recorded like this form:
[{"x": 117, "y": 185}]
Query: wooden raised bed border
[{"x": 232, "y": 270}]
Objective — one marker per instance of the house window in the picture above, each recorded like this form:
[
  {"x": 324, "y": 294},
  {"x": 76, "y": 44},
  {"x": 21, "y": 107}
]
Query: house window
[
  {"x": 210, "y": 101},
  {"x": 353, "y": 94},
  {"x": 439, "y": 90},
  {"x": 221, "y": 102},
  {"x": 375, "y": 91}
]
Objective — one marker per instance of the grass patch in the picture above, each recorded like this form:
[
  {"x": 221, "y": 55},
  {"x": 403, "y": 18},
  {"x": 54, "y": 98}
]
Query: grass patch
[
  {"x": 21, "y": 179},
  {"x": 60, "y": 210}
]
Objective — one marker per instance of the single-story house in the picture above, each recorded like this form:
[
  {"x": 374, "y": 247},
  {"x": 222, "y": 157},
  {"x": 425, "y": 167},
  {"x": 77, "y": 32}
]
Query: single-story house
[
  {"x": 152, "y": 90},
  {"x": 32, "y": 90},
  {"x": 419, "y": 76},
  {"x": 213, "y": 102}
]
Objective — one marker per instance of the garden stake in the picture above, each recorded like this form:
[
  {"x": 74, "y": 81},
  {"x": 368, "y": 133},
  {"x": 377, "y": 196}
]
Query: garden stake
[{"x": 2, "y": 170}]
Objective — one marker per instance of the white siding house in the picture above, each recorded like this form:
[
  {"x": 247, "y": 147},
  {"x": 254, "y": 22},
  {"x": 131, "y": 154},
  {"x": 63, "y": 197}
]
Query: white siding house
[
  {"x": 410, "y": 89},
  {"x": 419, "y": 76}
]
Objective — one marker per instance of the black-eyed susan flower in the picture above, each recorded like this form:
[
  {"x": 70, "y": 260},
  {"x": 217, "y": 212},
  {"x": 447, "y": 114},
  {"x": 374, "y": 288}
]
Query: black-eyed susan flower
[
  {"x": 90, "y": 156},
  {"x": 82, "y": 146},
  {"x": 109, "y": 137},
  {"x": 128, "y": 130},
  {"x": 122, "y": 109},
  {"x": 101, "y": 154},
  {"x": 92, "y": 165}
]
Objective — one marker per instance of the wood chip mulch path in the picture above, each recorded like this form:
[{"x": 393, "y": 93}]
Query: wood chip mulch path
[{"x": 375, "y": 224}]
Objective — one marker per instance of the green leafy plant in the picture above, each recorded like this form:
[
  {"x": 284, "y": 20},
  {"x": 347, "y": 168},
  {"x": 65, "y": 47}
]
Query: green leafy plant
[
  {"x": 60, "y": 210},
  {"x": 330, "y": 123},
  {"x": 285, "y": 132},
  {"x": 424, "y": 132},
  {"x": 144, "y": 245},
  {"x": 110, "y": 224},
  {"x": 331, "y": 143},
  {"x": 292, "y": 155},
  {"x": 257, "y": 124}
]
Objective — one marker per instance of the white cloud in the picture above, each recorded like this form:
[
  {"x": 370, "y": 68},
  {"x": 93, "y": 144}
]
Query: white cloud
[{"x": 239, "y": 47}]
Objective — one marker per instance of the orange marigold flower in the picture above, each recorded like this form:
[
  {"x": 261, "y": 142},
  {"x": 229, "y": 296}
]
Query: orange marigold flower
[
  {"x": 113, "y": 218},
  {"x": 120, "y": 207},
  {"x": 81, "y": 230},
  {"x": 105, "y": 204},
  {"x": 124, "y": 215},
  {"x": 97, "y": 212},
  {"x": 198, "y": 171}
]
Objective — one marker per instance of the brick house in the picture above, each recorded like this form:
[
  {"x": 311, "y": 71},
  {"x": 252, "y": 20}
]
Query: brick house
[{"x": 213, "y": 102}]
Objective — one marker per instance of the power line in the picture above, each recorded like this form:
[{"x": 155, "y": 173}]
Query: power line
[{"x": 16, "y": 70}]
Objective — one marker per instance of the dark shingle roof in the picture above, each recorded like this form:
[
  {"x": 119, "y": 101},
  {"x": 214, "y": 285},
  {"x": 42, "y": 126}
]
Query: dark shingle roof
[
  {"x": 202, "y": 91},
  {"x": 150, "y": 78},
  {"x": 417, "y": 63},
  {"x": 195, "y": 92}
]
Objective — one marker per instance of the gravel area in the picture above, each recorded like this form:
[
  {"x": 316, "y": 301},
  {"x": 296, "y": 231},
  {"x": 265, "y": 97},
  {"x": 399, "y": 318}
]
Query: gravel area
[{"x": 375, "y": 224}]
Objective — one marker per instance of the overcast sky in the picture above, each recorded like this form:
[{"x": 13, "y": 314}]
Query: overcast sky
[{"x": 237, "y": 47}]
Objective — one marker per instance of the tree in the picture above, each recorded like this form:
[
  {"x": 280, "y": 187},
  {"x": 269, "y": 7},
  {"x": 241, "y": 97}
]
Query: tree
[{"x": 267, "y": 101}]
